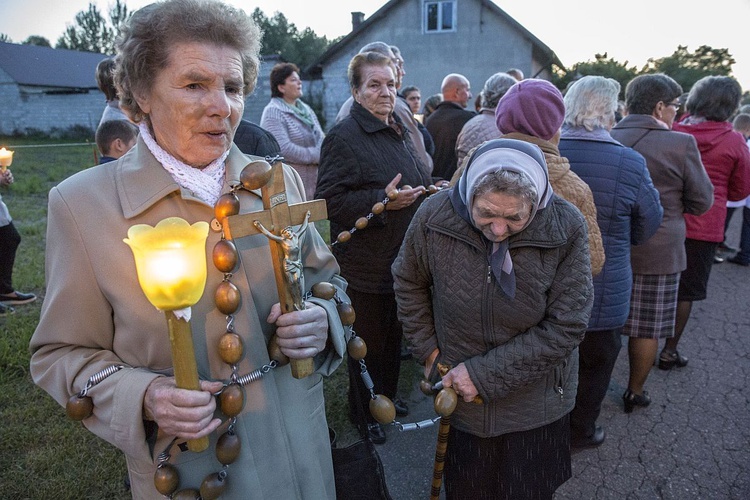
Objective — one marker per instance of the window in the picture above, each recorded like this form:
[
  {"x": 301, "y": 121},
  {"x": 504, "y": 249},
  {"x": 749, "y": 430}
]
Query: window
[{"x": 439, "y": 17}]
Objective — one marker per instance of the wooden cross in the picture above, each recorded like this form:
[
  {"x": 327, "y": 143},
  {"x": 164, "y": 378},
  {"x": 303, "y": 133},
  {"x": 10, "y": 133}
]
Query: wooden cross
[{"x": 276, "y": 216}]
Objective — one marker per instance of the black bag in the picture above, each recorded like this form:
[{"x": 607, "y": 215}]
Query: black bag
[{"x": 359, "y": 472}]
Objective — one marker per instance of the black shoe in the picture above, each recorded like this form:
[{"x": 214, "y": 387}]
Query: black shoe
[
  {"x": 632, "y": 400},
  {"x": 402, "y": 409},
  {"x": 589, "y": 441},
  {"x": 718, "y": 259},
  {"x": 376, "y": 433},
  {"x": 726, "y": 248},
  {"x": 670, "y": 359},
  {"x": 739, "y": 262},
  {"x": 17, "y": 298},
  {"x": 6, "y": 310}
]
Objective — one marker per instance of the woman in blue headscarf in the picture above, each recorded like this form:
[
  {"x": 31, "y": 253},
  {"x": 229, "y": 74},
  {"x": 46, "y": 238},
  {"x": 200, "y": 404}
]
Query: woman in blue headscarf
[{"x": 494, "y": 280}]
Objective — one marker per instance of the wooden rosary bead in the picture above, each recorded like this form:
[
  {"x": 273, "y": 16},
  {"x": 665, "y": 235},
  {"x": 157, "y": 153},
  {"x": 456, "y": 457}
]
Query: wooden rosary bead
[
  {"x": 392, "y": 195},
  {"x": 230, "y": 348},
  {"x": 361, "y": 223},
  {"x": 228, "y": 448},
  {"x": 227, "y": 297},
  {"x": 432, "y": 189},
  {"x": 446, "y": 401},
  {"x": 324, "y": 290},
  {"x": 187, "y": 494},
  {"x": 346, "y": 313},
  {"x": 425, "y": 386},
  {"x": 357, "y": 348},
  {"x": 227, "y": 205},
  {"x": 406, "y": 186},
  {"x": 78, "y": 408},
  {"x": 344, "y": 236},
  {"x": 166, "y": 479},
  {"x": 378, "y": 208},
  {"x": 255, "y": 175},
  {"x": 232, "y": 399},
  {"x": 274, "y": 351},
  {"x": 382, "y": 409},
  {"x": 213, "y": 486},
  {"x": 225, "y": 256}
]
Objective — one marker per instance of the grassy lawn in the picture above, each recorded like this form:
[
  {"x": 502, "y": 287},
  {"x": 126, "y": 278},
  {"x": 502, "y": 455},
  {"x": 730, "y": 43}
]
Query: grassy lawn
[{"x": 44, "y": 455}]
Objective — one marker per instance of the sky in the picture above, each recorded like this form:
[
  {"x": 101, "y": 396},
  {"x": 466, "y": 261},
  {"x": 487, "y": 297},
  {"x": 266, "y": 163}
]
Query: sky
[{"x": 575, "y": 30}]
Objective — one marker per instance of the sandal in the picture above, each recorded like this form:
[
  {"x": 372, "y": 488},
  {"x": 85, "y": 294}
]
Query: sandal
[{"x": 670, "y": 359}]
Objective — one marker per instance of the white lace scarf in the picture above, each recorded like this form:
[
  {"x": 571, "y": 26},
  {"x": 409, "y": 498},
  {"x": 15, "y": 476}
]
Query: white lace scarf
[{"x": 205, "y": 183}]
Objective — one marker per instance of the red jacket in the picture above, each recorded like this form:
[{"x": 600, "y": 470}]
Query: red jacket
[{"x": 727, "y": 161}]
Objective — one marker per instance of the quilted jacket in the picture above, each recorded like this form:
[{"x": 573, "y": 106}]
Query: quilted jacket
[
  {"x": 627, "y": 209},
  {"x": 476, "y": 131},
  {"x": 521, "y": 353},
  {"x": 359, "y": 157}
]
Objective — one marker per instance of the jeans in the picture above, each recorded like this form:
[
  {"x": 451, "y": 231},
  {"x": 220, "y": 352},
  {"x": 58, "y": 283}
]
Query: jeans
[
  {"x": 743, "y": 256},
  {"x": 9, "y": 241}
]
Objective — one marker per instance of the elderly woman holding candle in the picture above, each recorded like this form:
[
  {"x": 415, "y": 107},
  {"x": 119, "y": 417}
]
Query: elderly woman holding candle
[
  {"x": 184, "y": 68},
  {"x": 493, "y": 280}
]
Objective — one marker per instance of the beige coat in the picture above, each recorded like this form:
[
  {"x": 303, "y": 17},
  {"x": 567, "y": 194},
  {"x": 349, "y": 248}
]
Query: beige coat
[{"x": 95, "y": 315}]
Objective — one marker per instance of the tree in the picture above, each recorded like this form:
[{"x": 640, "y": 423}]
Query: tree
[
  {"x": 687, "y": 68},
  {"x": 91, "y": 32},
  {"x": 601, "y": 66},
  {"x": 5, "y": 38},
  {"x": 282, "y": 38},
  {"x": 37, "y": 40}
]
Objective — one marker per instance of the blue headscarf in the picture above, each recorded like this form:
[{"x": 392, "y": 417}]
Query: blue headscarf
[{"x": 502, "y": 154}]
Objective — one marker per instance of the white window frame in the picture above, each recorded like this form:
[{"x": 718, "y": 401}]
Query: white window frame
[{"x": 439, "y": 3}]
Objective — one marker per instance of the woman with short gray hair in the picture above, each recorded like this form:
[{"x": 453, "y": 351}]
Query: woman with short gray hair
[
  {"x": 482, "y": 127},
  {"x": 628, "y": 212}
]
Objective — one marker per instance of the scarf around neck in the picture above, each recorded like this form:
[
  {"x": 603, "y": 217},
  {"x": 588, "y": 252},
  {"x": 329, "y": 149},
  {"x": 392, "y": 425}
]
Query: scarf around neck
[
  {"x": 494, "y": 155},
  {"x": 206, "y": 183},
  {"x": 301, "y": 111}
]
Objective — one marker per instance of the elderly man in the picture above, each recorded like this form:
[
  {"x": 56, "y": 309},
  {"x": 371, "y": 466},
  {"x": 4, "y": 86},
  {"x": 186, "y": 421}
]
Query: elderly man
[
  {"x": 402, "y": 109},
  {"x": 446, "y": 122}
]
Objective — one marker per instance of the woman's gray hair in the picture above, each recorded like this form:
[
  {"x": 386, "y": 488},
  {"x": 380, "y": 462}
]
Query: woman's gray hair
[
  {"x": 147, "y": 38},
  {"x": 509, "y": 182},
  {"x": 591, "y": 103},
  {"x": 358, "y": 62},
  {"x": 715, "y": 98},
  {"x": 495, "y": 88}
]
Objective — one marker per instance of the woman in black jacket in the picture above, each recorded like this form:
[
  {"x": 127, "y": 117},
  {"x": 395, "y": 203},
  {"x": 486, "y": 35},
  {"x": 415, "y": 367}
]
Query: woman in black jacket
[{"x": 363, "y": 157}]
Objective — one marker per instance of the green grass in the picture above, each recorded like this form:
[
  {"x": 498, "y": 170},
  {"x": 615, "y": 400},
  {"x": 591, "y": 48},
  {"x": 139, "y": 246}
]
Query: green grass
[{"x": 43, "y": 454}]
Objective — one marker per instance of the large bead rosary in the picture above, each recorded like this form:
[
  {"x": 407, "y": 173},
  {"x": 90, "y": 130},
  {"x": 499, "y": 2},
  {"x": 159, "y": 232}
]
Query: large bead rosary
[{"x": 232, "y": 396}]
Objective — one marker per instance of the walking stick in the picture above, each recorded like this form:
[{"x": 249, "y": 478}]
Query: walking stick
[{"x": 445, "y": 403}]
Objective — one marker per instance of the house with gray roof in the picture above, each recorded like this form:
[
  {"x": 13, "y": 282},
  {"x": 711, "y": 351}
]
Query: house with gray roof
[
  {"x": 45, "y": 89},
  {"x": 473, "y": 37}
]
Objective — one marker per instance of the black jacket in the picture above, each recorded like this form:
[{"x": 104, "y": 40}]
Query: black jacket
[
  {"x": 359, "y": 157},
  {"x": 255, "y": 140},
  {"x": 444, "y": 125}
]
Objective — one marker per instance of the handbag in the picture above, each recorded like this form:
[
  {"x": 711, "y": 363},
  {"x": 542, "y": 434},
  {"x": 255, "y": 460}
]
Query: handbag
[
  {"x": 359, "y": 472},
  {"x": 357, "y": 469}
]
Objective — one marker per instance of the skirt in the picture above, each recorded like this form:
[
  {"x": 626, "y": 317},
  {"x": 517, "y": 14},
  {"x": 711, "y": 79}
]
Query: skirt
[
  {"x": 694, "y": 279},
  {"x": 515, "y": 466},
  {"x": 653, "y": 304}
]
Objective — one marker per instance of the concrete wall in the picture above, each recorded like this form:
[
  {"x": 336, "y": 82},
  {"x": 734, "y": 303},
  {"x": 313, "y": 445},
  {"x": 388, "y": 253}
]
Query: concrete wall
[{"x": 24, "y": 108}]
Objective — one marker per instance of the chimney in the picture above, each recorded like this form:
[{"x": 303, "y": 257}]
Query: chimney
[{"x": 357, "y": 19}]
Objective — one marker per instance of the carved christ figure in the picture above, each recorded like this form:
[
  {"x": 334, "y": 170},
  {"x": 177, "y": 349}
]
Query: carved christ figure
[{"x": 289, "y": 241}]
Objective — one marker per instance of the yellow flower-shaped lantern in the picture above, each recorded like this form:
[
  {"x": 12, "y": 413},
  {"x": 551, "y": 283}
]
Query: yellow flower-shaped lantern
[
  {"x": 170, "y": 259},
  {"x": 6, "y": 158}
]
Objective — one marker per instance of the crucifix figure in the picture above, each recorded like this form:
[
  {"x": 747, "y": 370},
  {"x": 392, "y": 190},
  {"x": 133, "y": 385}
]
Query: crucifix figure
[
  {"x": 276, "y": 222},
  {"x": 289, "y": 241}
]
